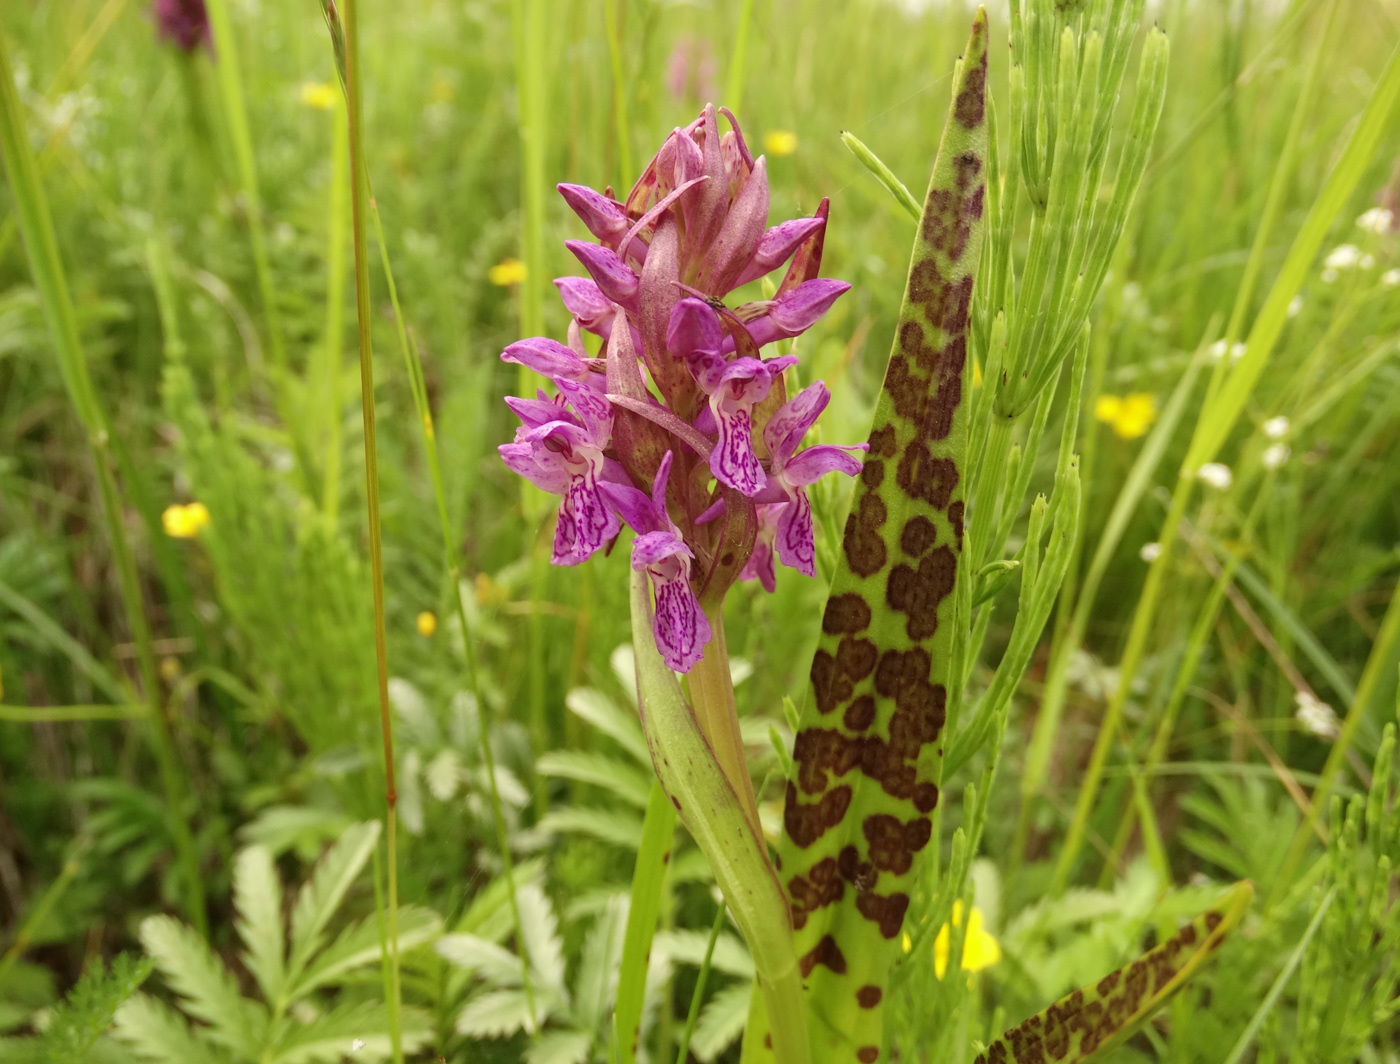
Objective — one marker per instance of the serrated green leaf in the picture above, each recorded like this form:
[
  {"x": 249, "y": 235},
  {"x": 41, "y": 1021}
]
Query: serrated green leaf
[
  {"x": 612, "y": 720},
  {"x": 320, "y": 897},
  {"x": 598, "y": 969},
  {"x": 688, "y": 947},
  {"x": 621, "y": 778},
  {"x": 560, "y": 1047},
  {"x": 496, "y": 964},
  {"x": 358, "y": 946},
  {"x": 609, "y": 825},
  {"x": 257, "y": 895},
  {"x": 498, "y": 1013},
  {"x": 206, "y": 988},
  {"x": 76, "y": 1024},
  {"x": 540, "y": 928},
  {"x": 158, "y": 1033},
  {"x": 722, "y": 1021},
  {"x": 334, "y": 1035},
  {"x": 1095, "y": 1018}
]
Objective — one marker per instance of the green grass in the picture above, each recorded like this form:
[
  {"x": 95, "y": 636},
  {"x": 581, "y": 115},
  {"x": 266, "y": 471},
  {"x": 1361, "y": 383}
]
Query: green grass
[{"x": 168, "y": 334}]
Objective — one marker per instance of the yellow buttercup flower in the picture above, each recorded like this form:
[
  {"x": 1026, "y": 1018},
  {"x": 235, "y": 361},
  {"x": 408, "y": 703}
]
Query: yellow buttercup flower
[
  {"x": 507, "y": 272},
  {"x": 780, "y": 142},
  {"x": 184, "y": 522},
  {"x": 1131, "y": 415},
  {"x": 319, "y": 95},
  {"x": 427, "y": 623},
  {"x": 980, "y": 949}
]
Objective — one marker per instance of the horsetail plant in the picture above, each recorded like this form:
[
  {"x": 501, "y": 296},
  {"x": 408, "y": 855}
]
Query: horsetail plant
[{"x": 683, "y": 431}]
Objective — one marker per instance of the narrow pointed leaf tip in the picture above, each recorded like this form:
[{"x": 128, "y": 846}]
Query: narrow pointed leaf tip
[{"x": 1098, "y": 1017}]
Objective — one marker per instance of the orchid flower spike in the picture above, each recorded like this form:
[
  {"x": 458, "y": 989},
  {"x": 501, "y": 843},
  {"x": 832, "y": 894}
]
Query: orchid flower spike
[{"x": 682, "y": 384}]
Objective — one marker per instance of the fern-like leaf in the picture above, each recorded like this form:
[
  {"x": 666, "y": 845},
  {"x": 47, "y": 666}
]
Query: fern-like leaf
[
  {"x": 358, "y": 946},
  {"x": 495, "y": 964},
  {"x": 76, "y": 1024},
  {"x": 614, "y": 826},
  {"x": 334, "y": 1035},
  {"x": 610, "y": 773},
  {"x": 612, "y": 720},
  {"x": 560, "y": 1047},
  {"x": 688, "y": 947},
  {"x": 257, "y": 895},
  {"x": 598, "y": 971},
  {"x": 722, "y": 1022},
  {"x": 1095, "y": 1018},
  {"x": 498, "y": 1013},
  {"x": 206, "y": 988},
  {"x": 158, "y": 1033},
  {"x": 323, "y": 894},
  {"x": 540, "y": 927}
]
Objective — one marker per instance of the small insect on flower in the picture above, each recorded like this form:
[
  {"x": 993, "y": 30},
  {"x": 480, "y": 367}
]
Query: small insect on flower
[
  {"x": 1275, "y": 455},
  {"x": 1131, "y": 416},
  {"x": 507, "y": 272},
  {"x": 318, "y": 95},
  {"x": 1150, "y": 552},
  {"x": 780, "y": 142},
  {"x": 980, "y": 949},
  {"x": 1316, "y": 715},
  {"x": 183, "y": 22},
  {"x": 184, "y": 522},
  {"x": 1216, "y": 475},
  {"x": 426, "y": 623},
  {"x": 1276, "y": 427}
]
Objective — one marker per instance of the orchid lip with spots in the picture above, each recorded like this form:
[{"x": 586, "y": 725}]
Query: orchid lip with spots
[{"x": 682, "y": 428}]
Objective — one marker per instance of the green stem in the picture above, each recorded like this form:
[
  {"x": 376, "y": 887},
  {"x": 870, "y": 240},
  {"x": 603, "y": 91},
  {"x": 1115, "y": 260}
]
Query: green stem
[
  {"x": 734, "y": 82},
  {"x": 46, "y": 265},
  {"x": 359, "y": 197},
  {"x": 335, "y": 309},
  {"x": 712, "y": 697},
  {"x": 683, "y": 1051}
]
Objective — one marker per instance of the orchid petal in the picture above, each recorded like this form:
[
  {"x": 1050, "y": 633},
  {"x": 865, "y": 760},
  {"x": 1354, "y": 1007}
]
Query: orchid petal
[
  {"x": 537, "y": 412},
  {"x": 740, "y": 235},
  {"x": 592, "y": 408},
  {"x": 604, "y": 217},
  {"x": 785, "y": 429},
  {"x": 586, "y": 521},
  {"x": 520, "y": 459},
  {"x": 815, "y": 462},
  {"x": 777, "y": 245},
  {"x": 795, "y": 539},
  {"x": 616, "y": 280},
  {"x": 680, "y": 626},
  {"x": 733, "y": 461},
  {"x": 547, "y": 357}
]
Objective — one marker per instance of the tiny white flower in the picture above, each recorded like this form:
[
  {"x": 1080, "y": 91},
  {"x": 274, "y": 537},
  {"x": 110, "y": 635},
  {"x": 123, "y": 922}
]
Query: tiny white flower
[
  {"x": 1275, "y": 455},
  {"x": 1237, "y": 350},
  {"x": 1217, "y": 350},
  {"x": 1390, "y": 278},
  {"x": 1150, "y": 552},
  {"x": 1367, "y": 261},
  {"x": 1343, "y": 257},
  {"x": 356, "y": 1044},
  {"x": 1329, "y": 275},
  {"x": 1294, "y": 305},
  {"x": 1217, "y": 475},
  {"x": 1316, "y": 715},
  {"x": 1376, "y": 220}
]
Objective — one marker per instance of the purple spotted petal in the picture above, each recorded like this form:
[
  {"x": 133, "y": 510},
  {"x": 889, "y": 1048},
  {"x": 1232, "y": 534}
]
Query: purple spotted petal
[
  {"x": 733, "y": 461},
  {"x": 658, "y": 484},
  {"x": 792, "y": 313},
  {"x": 679, "y": 625},
  {"x": 520, "y": 459},
  {"x": 815, "y": 462},
  {"x": 615, "y": 278},
  {"x": 694, "y": 336},
  {"x": 586, "y": 521},
  {"x": 796, "y": 543},
  {"x": 585, "y": 301},
  {"x": 760, "y": 565},
  {"x": 592, "y": 409},
  {"x": 785, "y": 429},
  {"x": 604, "y": 217},
  {"x": 777, "y": 246},
  {"x": 547, "y": 357},
  {"x": 537, "y": 412}
]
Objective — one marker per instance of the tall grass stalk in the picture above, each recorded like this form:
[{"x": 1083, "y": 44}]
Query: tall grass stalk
[
  {"x": 335, "y": 308},
  {"x": 32, "y": 210},
  {"x": 619, "y": 88},
  {"x": 1213, "y": 428},
  {"x": 359, "y": 199}
]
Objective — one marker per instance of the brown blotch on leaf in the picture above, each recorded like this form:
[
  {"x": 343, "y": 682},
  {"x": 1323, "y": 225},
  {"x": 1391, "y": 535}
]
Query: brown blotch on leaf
[
  {"x": 846, "y": 614},
  {"x": 886, "y": 910},
  {"x": 872, "y": 473},
  {"x": 955, "y": 516},
  {"x": 926, "y": 797},
  {"x": 925, "y": 476},
  {"x": 817, "y": 751},
  {"x": 859, "y": 874},
  {"x": 834, "y": 677},
  {"x": 868, "y": 1054},
  {"x": 821, "y": 886},
  {"x": 918, "y": 536},
  {"x": 919, "y": 592},
  {"x": 825, "y": 952},
  {"x": 868, "y": 996},
  {"x": 884, "y": 442},
  {"x": 865, "y": 549},
  {"x": 805, "y": 824},
  {"x": 971, "y": 105},
  {"x": 860, "y": 714},
  {"x": 893, "y": 842}
]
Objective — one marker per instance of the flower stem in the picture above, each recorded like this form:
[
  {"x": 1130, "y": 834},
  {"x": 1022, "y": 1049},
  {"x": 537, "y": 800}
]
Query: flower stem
[
  {"x": 712, "y": 697},
  {"x": 359, "y": 197}
]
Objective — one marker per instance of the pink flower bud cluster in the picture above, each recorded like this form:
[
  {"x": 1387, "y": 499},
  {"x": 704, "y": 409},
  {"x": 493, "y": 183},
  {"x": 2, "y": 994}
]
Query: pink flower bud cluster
[
  {"x": 184, "y": 22},
  {"x": 683, "y": 430}
]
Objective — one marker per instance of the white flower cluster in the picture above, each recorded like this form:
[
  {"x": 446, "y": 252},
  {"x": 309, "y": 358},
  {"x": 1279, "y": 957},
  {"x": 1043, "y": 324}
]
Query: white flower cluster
[
  {"x": 1377, "y": 220},
  {"x": 1150, "y": 552},
  {"x": 1217, "y": 475},
  {"x": 1218, "y": 350},
  {"x": 1345, "y": 257},
  {"x": 1316, "y": 715}
]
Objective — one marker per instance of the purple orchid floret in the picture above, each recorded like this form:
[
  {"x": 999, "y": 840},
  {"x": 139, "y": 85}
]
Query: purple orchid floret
[
  {"x": 685, "y": 387},
  {"x": 185, "y": 22},
  {"x": 660, "y": 550}
]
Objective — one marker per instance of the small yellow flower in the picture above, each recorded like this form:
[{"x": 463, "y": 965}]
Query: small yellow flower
[
  {"x": 1131, "y": 416},
  {"x": 427, "y": 623},
  {"x": 980, "y": 949},
  {"x": 170, "y": 668},
  {"x": 507, "y": 272},
  {"x": 780, "y": 142},
  {"x": 184, "y": 522},
  {"x": 319, "y": 95}
]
